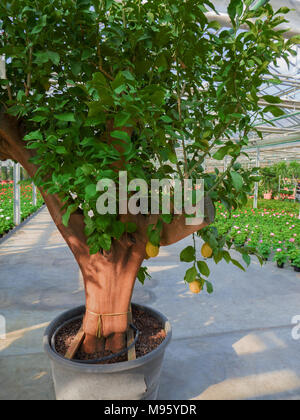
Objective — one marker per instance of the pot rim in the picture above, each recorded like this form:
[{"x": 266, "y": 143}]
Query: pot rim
[{"x": 105, "y": 368}]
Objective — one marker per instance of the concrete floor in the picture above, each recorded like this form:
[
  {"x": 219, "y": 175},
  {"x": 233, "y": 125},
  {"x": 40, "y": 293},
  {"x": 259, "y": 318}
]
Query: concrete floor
[{"x": 233, "y": 344}]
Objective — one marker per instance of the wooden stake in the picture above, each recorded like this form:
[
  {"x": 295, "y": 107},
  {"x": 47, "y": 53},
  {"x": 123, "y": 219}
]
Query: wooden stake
[
  {"x": 72, "y": 350},
  {"x": 130, "y": 338}
]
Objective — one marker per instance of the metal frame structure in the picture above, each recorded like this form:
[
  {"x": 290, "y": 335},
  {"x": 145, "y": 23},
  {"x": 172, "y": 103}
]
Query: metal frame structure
[
  {"x": 281, "y": 135},
  {"x": 17, "y": 190}
]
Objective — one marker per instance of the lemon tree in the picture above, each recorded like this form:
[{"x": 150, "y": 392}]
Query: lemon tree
[{"x": 95, "y": 87}]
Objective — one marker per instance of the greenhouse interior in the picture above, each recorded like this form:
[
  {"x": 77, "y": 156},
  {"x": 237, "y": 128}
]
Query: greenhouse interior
[{"x": 89, "y": 299}]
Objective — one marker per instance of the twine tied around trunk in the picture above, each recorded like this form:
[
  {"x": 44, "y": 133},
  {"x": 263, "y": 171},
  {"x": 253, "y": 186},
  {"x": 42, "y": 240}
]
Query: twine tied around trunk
[{"x": 99, "y": 327}]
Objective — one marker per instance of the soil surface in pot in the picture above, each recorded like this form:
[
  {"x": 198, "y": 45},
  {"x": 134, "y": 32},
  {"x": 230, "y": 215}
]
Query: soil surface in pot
[{"x": 152, "y": 334}]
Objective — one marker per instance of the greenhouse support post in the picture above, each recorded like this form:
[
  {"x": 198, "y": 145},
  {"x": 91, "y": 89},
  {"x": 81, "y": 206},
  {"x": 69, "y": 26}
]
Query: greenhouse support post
[
  {"x": 17, "y": 195},
  {"x": 256, "y": 183},
  {"x": 2, "y": 67},
  {"x": 34, "y": 196}
]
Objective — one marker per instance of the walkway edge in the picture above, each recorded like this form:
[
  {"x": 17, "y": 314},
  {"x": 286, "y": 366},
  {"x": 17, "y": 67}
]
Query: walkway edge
[{"x": 21, "y": 225}]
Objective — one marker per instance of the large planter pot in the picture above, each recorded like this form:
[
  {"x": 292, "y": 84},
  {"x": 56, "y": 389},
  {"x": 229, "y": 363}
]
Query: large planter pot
[
  {"x": 280, "y": 265},
  {"x": 268, "y": 196},
  {"x": 133, "y": 380}
]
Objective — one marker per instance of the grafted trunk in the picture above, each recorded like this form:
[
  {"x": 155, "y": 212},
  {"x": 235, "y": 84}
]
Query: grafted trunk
[{"x": 109, "y": 282}]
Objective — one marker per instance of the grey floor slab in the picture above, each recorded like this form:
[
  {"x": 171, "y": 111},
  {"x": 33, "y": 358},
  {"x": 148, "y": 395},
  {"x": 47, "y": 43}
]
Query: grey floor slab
[{"x": 234, "y": 344}]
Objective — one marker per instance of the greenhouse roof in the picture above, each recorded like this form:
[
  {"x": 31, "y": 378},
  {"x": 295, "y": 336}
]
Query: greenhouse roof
[{"x": 281, "y": 136}]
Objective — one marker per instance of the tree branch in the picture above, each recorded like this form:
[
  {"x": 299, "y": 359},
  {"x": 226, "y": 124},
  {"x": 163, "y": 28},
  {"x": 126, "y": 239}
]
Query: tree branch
[{"x": 178, "y": 229}]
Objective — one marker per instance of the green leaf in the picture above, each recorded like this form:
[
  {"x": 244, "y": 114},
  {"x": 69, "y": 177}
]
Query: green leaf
[
  {"x": 68, "y": 117},
  {"x": 237, "y": 264},
  {"x": 34, "y": 135},
  {"x": 167, "y": 218},
  {"x": 246, "y": 258},
  {"x": 166, "y": 119},
  {"x": 121, "y": 119},
  {"x": 271, "y": 99},
  {"x": 235, "y": 8},
  {"x": 172, "y": 158},
  {"x": 128, "y": 75},
  {"x": 94, "y": 249},
  {"x": 94, "y": 121},
  {"x": 143, "y": 274},
  {"x": 237, "y": 180},
  {"x": 295, "y": 40},
  {"x": 105, "y": 241},
  {"x": 276, "y": 111},
  {"x": 218, "y": 257},
  {"x": 89, "y": 226},
  {"x": 283, "y": 10},
  {"x": 154, "y": 237},
  {"x": 203, "y": 268},
  {"x": 90, "y": 191},
  {"x": 226, "y": 256},
  {"x": 221, "y": 153},
  {"x": 99, "y": 81},
  {"x": 188, "y": 254},
  {"x": 118, "y": 229},
  {"x": 122, "y": 135},
  {"x": 54, "y": 57},
  {"x": 76, "y": 68},
  {"x": 103, "y": 222},
  {"x": 209, "y": 287},
  {"x": 61, "y": 150},
  {"x": 38, "y": 118},
  {"x": 120, "y": 89},
  {"x": 130, "y": 227},
  {"x": 190, "y": 275},
  {"x": 66, "y": 216},
  {"x": 87, "y": 53}
]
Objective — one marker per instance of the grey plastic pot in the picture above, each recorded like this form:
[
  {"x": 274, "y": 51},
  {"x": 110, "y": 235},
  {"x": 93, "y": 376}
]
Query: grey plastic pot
[{"x": 133, "y": 380}]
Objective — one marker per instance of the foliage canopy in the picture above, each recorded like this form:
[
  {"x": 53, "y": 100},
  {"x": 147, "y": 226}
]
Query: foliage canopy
[{"x": 104, "y": 82}]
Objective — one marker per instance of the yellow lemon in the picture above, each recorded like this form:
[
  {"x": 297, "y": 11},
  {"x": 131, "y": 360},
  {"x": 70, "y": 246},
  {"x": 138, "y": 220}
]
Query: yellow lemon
[
  {"x": 206, "y": 250},
  {"x": 152, "y": 250},
  {"x": 195, "y": 286}
]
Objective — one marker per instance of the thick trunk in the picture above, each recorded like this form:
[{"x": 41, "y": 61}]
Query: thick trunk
[{"x": 109, "y": 282}]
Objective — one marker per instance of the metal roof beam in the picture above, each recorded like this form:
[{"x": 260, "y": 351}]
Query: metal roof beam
[
  {"x": 276, "y": 130},
  {"x": 225, "y": 21},
  {"x": 286, "y": 103}
]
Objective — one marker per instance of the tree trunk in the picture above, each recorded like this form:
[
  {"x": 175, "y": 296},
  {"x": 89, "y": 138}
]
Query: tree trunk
[{"x": 109, "y": 281}]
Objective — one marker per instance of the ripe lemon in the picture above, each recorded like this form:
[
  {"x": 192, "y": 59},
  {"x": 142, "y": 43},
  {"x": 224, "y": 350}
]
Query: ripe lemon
[
  {"x": 152, "y": 250},
  {"x": 206, "y": 250},
  {"x": 195, "y": 286}
]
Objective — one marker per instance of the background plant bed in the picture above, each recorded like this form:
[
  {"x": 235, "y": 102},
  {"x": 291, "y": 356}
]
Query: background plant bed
[
  {"x": 7, "y": 209},
  {"x": 151, "y": 335}
]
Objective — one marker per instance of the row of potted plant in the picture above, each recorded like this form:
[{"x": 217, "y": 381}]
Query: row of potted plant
[
  {"x": 6, "y": 205},
  {"x": 270, "y": 232}
]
